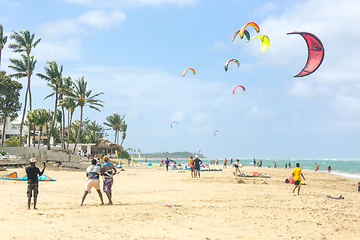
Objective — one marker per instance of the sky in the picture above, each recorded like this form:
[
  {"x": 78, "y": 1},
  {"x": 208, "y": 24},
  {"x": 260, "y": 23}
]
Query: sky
[{"x": 136, "y": 51}]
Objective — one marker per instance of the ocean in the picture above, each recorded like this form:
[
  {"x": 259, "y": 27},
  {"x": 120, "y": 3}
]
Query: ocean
[{"x": 343, "y": 167}]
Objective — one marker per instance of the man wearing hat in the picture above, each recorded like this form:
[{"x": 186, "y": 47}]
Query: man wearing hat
[
  {"x": 32, "y": 173},
  {"x": 108, "y": 171}
]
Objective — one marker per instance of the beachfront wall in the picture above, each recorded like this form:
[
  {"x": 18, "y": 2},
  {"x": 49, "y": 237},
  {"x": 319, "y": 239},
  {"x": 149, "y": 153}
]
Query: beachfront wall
[{"x": 25, "y": 153}]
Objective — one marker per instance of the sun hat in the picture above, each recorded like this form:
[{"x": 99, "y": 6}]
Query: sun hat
[
  {"x": 106, "y": 159},
  {"x": 32, "y": 160},
  {"x": 196, "y": 156}
]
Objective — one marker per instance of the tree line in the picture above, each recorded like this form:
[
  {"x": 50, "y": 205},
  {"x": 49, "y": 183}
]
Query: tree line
[{"x": 69, "y": 94}]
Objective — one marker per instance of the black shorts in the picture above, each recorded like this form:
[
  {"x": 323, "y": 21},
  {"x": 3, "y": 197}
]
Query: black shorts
[
  {"x": 297, "y": 183},
  {"x": 32, "y": 187}
]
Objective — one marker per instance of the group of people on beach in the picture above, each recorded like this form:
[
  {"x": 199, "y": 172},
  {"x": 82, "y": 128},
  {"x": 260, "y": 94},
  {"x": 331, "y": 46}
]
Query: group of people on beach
[{"x": 195, "y": 166}]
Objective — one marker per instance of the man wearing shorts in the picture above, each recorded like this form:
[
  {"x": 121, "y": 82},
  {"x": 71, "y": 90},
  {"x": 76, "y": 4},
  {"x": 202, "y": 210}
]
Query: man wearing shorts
[
  {"x": 236, "y": 166},
  {"x": 93, "y": 174},
  {"x": 191, "y": 162},
  {"x": 108, "y": 171},
  {"x": 32, "y": 173},
  {"x": 197, "y": 163},
  {"x": 297, "y": 173}
]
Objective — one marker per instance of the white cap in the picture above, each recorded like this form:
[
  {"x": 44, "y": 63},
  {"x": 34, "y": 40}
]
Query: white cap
[
  {"x": 196, "y": 156},
  {"x": 32, "y": 160}
]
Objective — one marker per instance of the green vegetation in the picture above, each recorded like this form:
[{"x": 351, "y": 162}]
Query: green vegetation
[{"x": 9, "y": 99}]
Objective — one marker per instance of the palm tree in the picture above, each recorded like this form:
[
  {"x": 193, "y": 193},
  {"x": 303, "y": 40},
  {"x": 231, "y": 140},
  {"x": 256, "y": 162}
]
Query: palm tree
[
  {"x": 123, "y": 130},
  {"x": 42, "y": 116},
  {"x": 3, "y": 41},
  {"x": 70, "y": 105},
  {"x": 59, "y": 118},
  {"x": 20, "y": 66},
  {"x": 83, "y": 98},
  {"x": 114, "y": 121},
  {"x": 24, "y": 42},
  {"x": 54, "y": 78},
  {"x": 32, "y": 118}
]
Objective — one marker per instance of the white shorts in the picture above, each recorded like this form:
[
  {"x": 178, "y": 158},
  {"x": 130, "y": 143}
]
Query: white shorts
[{"x": 92, "y": 183}]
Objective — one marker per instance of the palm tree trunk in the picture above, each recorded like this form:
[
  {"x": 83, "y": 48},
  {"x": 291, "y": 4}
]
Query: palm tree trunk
[
  {"x": 3, "y": 133},
  {"x": 53, "y": 123},
  {"x": 78, "y": 135},
  {"x": 69, "y": 129},
  {"x": 34, "y": 136},
  {"x": 61, "y": 137},
  {"x": 29, "y": 136},
  {"x": 23, "y": 117},
  {"x": 40, "y": 137},
  {"x": 63, "y": 129},
  {"x": 30, "y": 101}
]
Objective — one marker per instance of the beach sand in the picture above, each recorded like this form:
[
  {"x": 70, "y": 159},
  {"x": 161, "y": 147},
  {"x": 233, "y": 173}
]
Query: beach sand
[{"x": 216, "y": 206}]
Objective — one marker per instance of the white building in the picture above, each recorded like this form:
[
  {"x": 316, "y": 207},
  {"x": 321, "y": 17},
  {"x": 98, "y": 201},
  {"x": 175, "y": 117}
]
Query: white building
[{"x": 12, "y": 128}]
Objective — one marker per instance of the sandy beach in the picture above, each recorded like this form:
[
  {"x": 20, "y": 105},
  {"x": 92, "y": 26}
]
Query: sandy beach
[{"x": 216, "y": 206}]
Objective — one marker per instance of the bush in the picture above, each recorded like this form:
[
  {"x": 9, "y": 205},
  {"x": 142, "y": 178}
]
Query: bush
[
  {"x": 2, "y": 152},
  {"x": 124, "y": 154}
]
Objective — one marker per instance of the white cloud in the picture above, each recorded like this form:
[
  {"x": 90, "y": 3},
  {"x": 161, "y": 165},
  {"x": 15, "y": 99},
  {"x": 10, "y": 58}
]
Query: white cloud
[
  {"x": 83, "y": 24},
  {"x": 137, "y": 3}
]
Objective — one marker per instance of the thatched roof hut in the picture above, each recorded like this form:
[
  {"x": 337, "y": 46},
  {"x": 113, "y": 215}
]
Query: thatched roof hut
[{"x": 106, "y": 144}]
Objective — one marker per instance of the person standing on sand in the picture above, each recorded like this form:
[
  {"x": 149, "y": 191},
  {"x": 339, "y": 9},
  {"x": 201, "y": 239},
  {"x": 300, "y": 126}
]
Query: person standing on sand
[
  {"x": 217, "y": 162},
  {"x": 167, "y": 162},
  {"x": 197, "y": 163},
  {"x": 254, "y": 162},
  {"x": 225, "y": 163},
  {"x": 33, "y": 182},
  {"x": 329, "y": 169},
  {"x": 93, "y": 174},
  {"x": 191, "y": 162},
  {"x": 236, "y": 166},
  {"x": 108, "y": 171},
  {"x": 297, "y": 173},
  {"x": 358, "y": 186}
]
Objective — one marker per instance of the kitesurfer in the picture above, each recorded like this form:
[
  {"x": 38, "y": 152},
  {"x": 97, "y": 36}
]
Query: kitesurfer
[
  {"x": 33, "y": 182},
  {"x": 93, "y": 174},
  {"x": 108, "y": 171}
]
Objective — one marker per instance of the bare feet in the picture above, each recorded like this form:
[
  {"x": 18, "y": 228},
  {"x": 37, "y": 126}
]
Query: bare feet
[{"x": 109, "y": 203}]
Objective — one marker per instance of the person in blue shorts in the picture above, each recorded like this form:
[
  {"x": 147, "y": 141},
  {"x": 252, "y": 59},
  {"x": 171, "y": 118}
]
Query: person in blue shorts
[{"x": 197, "y": 163}]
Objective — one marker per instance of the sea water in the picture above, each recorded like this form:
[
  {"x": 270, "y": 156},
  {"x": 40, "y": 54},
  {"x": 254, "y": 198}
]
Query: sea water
[{"x": 343, "y": 167}]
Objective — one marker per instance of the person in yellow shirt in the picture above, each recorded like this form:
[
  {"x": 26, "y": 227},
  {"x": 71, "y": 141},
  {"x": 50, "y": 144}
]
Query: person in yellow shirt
[{"x": 297, "y": 173}]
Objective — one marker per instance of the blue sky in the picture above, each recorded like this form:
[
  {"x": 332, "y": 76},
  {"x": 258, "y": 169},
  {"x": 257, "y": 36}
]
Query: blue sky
[{"x": 135, "y": 52}]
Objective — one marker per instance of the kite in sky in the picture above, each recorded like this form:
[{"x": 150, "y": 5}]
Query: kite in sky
[
  {"x": 231, "y": 60},
  {"x": 242, "y": 30},
  {"x": 246, "y": 33},
  {"x": 188, "y": 70},
  {"x": 264, "y": 40},
  {"x": 215, "y": 132},
  {"x": 171, "y": 125},
  {"x": 237, "y": 87},
  {"x": 316, "y": 53}
]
